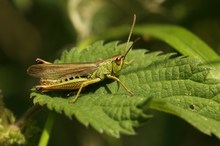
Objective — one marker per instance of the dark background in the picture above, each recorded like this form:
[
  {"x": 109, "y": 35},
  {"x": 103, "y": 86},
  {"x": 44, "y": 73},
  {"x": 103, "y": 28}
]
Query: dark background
[{"x": 43, "y": 28}]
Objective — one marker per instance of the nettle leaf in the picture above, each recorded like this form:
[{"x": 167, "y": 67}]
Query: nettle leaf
[{"x": 178, "y": 86}]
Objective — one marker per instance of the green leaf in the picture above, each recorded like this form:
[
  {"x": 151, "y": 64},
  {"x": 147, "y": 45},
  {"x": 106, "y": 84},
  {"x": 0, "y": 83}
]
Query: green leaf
[
  {"x": 178, "y": 86},
  {"x": 184, "y": 42},
  {"x": 179, "y": 38},
  {"x": 112, "y": 113},
  {"x": 201, "y": 112}
]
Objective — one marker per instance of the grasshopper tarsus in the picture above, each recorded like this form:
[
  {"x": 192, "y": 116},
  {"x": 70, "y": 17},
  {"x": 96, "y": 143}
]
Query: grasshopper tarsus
[
  {"x": 71, "y": 101},
  {"x": 41, "y": 61},
  {"x": 39, "y": 88}
]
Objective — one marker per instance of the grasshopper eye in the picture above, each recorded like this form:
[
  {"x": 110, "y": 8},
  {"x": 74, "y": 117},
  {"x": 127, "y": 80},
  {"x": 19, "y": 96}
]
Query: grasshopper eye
[{"x": 118, "y": 60}]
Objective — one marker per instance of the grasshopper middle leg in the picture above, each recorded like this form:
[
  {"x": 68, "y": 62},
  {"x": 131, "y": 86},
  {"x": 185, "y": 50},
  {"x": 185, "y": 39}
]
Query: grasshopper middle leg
[{"x": 84, "y": 84}]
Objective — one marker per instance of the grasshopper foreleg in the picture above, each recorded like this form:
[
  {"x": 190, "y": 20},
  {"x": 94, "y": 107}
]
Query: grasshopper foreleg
[
  {"x": 117, "y": 79},
  {"x": 129, "y": 62}
]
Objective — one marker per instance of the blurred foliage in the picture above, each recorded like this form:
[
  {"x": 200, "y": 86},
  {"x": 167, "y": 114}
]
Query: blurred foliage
[
  {"x": 10, "y": 133},
  {"x": 39, "y": 28}
]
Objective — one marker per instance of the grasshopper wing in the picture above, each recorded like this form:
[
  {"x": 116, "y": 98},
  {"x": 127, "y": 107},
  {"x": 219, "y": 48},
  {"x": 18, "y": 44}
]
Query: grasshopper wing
[{"x": 56, "y": 71}]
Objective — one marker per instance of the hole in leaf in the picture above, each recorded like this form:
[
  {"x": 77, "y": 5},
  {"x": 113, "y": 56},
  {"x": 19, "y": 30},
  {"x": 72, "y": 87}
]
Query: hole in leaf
[{"x": 192, "y": 107}]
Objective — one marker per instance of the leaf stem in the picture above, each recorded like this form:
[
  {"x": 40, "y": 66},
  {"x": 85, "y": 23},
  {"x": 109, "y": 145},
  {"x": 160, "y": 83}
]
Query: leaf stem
[{"x": 47, "y": 130}]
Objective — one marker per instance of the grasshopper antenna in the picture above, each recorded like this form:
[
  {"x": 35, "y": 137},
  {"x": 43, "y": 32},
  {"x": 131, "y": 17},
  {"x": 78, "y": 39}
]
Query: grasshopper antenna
[{"x": 129, "y": 37}]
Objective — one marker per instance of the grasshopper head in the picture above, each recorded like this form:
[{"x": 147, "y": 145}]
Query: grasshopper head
[{"x": 117, "y": 63}]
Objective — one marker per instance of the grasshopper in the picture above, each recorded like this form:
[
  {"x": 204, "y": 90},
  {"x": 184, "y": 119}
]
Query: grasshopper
[{"x": 73, "y": 76}]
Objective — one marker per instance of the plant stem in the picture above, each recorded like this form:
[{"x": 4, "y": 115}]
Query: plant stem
[
  {"x": 27, "y": 115},
  {"x": 47, "y": 130}
]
